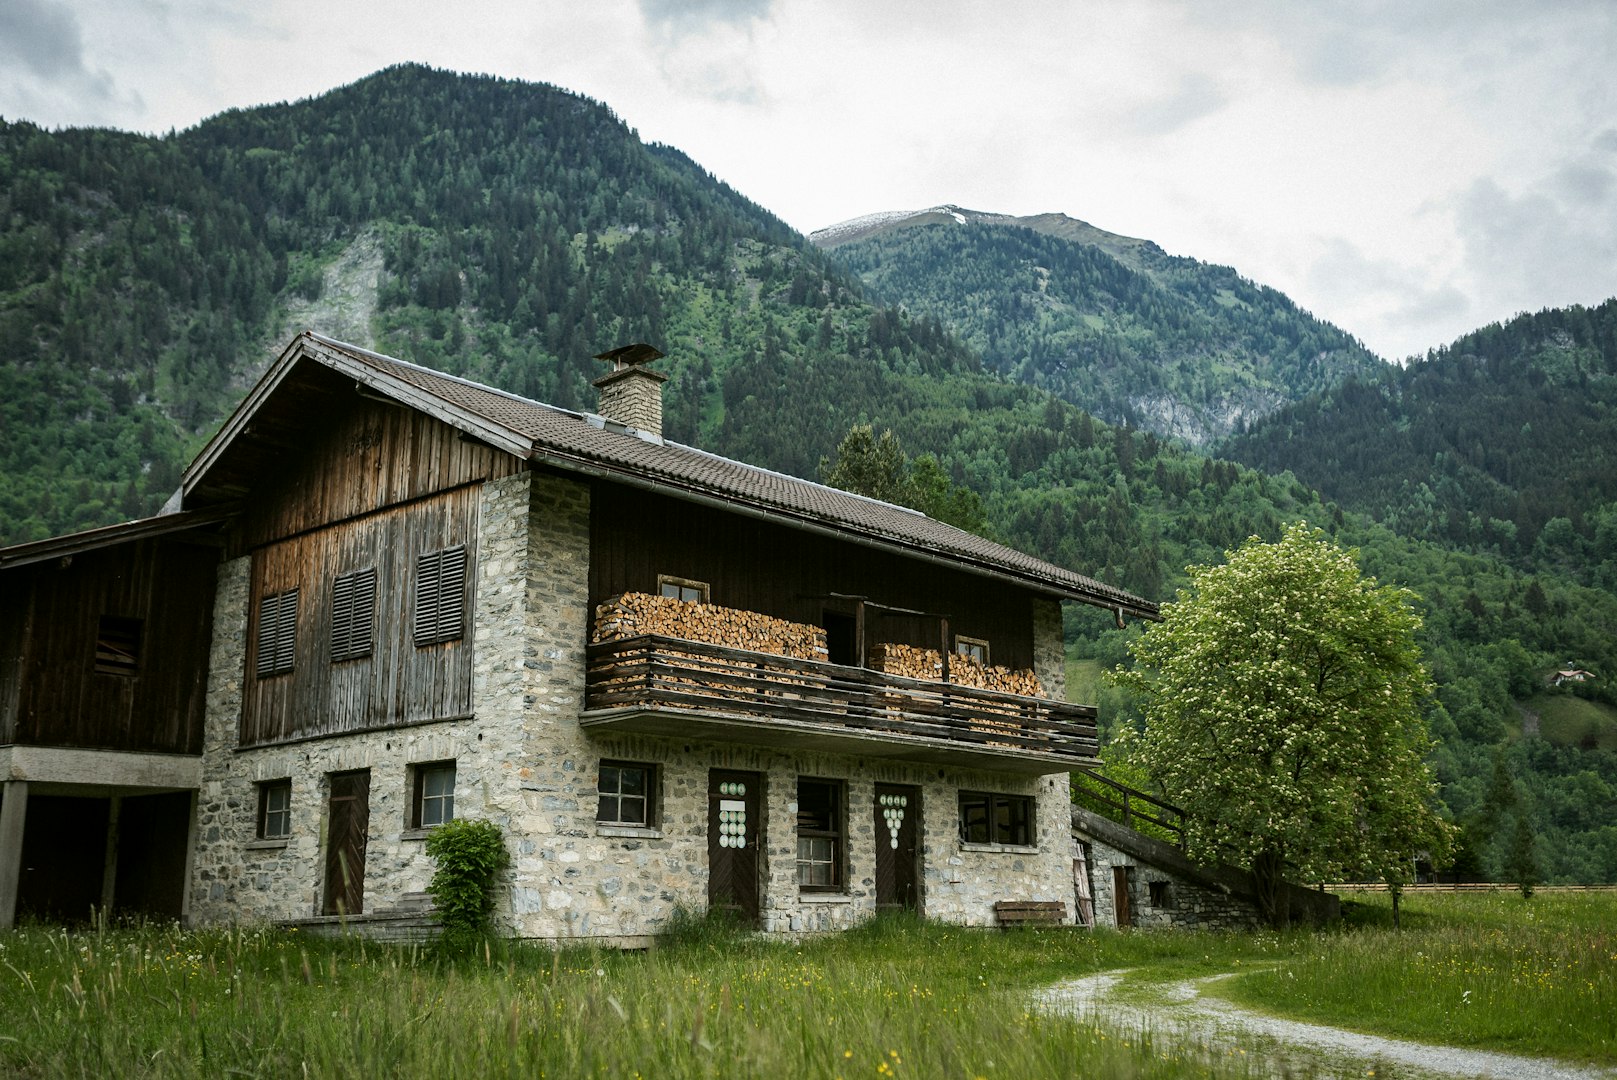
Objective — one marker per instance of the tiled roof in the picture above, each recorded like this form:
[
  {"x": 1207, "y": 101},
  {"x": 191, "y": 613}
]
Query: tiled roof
[{"x": 584, "y": 442}]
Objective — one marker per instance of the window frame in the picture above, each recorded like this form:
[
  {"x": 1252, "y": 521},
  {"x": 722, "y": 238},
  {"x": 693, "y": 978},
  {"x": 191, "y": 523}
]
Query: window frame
[
  {"x": 118, "y": 640},
  {"x": 353, "y": 615},
  {"x": 836, "y": 834},
  {"x": 278, "y": 623},
  {"x": 1011, "y": 830},
  {"x": 268, "y": 790},
  {"x": 681, "y": 586},
  {"x": 650, "y": 802},
  {"x": 971, "y": 648},
  {"x": 421, "y": 772},
  {"x": 439, "y": 614}
]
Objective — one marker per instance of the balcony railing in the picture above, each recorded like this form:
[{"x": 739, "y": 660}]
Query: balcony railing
[{"x": 670, "y": 686}]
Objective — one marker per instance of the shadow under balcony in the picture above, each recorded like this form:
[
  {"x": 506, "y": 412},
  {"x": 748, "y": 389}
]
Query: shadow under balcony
[{"x": 669, "y": 686}]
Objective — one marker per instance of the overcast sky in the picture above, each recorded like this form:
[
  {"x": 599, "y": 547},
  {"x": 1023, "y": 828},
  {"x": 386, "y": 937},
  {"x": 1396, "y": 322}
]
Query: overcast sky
[{"x": 1407, "y": 170}]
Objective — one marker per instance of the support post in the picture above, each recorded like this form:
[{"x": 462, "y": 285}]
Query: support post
[{"x": 13, "y": 812}]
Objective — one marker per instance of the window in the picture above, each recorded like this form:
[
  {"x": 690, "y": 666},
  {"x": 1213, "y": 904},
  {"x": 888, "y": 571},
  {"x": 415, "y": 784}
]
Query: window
[
  {"x": 275, "y": 810},
  {"x": 820, "y": 839},
  {"x": 117, "y": 646},
  {"x": 353, "y": 612},
  {"x": 277, "y": 632},
  {"x": 434, "y": 799},
  {"x": 989, "y": 818},
  {"x": 1159, "y": 893},
  {"x": 682, "y": 589},
  {"x": 440, "y": 595},
  {"x": 972, "y": 649},
  {"x": 627, "y": 794}
]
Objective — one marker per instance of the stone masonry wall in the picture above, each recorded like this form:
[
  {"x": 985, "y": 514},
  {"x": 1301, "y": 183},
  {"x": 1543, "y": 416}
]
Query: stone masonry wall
[{"x": 1186, "y": 904}]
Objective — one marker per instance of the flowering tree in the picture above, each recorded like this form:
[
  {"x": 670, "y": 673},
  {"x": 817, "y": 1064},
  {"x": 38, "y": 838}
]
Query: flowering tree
[{"x": 1282, "y": 714}]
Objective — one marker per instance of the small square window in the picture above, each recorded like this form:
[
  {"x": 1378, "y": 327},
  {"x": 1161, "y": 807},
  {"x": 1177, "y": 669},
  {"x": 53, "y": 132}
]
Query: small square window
[
  {"x": 434, "y": 800},
  {"x": 1159, "y": 893},
  {"x": 993, "y": 818},
  {"x": 277, "y": 633},
  {"x": 117, "y": 645},
  {"x": 628, "y": 794},
  {"x": 972, "y": 649},
  {"x": 275, "y": 810},
  {"x": 676, "y": 588},
  {"x": 821, "y": 835}
]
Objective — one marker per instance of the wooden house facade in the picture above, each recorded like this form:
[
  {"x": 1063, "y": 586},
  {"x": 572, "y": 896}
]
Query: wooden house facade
[{"x": 393, "y": 598}]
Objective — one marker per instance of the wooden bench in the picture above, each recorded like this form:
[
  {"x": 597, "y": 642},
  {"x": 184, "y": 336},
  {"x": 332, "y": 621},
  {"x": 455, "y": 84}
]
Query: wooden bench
[{"x": 1030, "y": 912}]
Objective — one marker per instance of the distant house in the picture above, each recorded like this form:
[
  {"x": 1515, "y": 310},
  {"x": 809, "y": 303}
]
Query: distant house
[
  {"x": 1570, "y": 674},
  {"x": 388, "y": 598}
]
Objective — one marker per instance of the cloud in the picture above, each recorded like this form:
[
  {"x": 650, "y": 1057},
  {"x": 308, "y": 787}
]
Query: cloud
[
  {"x": 1194, "y": 96},
  {"x": 42, "y": 37},
  {"x": 680, "y": 17},
  {"x": 1385, "y": 300}
]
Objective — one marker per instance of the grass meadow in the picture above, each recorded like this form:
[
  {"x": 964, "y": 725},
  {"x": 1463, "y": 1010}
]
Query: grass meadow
[{"x": 894, "y": 999}]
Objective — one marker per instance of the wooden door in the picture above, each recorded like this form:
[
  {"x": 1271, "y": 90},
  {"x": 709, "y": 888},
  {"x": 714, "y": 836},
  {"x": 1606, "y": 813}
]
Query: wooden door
[
  {"x": 734, "y": 840},
  {"x": 1120, "y": 896},
  {"x": 898, "y": 820},
  {"x": 347, "y": 824}
]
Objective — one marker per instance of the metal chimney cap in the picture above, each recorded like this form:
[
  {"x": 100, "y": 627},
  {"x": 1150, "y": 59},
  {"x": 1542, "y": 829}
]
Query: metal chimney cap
[{"x": 630, "y": 355}]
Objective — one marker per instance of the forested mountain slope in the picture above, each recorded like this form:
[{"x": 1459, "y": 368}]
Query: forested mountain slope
[
  {"x": 1504, "y": 441},
  {"x": 1113, "y": 324},
  {"x": 519, "y": 229},
  {"x": 509, "y": 231}
]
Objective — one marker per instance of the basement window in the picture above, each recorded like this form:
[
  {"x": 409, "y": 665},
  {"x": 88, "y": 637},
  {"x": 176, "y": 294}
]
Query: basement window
[
  {"x": 275, "y": 810},
  {"x": 277, "y": 633},
  {"x": 440, "y": 596},
  {"x": 117, "y": 645},
  {"x": 821, "y": 838},
  {"x": 433, "y": 802},
  {"x": 993, "y": 818},
  {"x": 353, "y": 614},
  {"x": 678, "y": 588}
]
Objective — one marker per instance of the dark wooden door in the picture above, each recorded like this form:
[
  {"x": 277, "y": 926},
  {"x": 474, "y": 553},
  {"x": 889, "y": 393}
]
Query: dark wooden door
[
  {"x": 898, "y": 821},
  {"x": 348, "y": 822},
  {"x": 1120, "y": 896},
  {"x": 734, "y": 822}
]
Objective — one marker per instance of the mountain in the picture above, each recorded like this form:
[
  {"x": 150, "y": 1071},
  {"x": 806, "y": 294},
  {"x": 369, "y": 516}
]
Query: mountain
[
  {"x": 1111, "y": 323},
  {"x": 1504, "y": 441},
  {"x": 508, "y": 231}
]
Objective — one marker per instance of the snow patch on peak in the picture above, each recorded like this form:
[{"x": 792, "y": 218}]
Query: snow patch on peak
[{"x": 854, "y": 228}]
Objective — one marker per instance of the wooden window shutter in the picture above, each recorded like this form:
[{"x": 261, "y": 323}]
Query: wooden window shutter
[
  {"x": 353, "y": 614},
  {"x": 440, "y": 591},
  {"x": 277, "y": 633}
]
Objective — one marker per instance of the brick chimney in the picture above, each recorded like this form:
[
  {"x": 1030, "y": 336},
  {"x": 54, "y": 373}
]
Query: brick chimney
[{"x": 631, "y": 393}]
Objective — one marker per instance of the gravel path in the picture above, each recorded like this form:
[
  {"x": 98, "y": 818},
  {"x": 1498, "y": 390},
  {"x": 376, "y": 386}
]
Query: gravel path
[{"x": 1184, "y": 1013}]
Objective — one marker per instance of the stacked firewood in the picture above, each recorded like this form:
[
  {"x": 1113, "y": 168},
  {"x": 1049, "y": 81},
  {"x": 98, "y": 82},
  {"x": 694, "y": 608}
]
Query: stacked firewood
[
  {"x": 633, "y": 614},
  {"x": 913, "y": 662}
]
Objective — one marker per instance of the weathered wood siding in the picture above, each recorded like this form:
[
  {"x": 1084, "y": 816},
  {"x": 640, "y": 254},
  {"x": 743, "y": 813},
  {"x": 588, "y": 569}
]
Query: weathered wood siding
[
  {"x": 50, "y": 691},
  {"x": 397, "y": 683},
  {"x": 759, "y": 566},
  {"x": 361, "y": 458}
]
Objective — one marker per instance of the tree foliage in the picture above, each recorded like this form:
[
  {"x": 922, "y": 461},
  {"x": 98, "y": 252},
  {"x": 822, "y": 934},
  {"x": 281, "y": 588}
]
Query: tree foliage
[
  {"x": 876, "y": 466},
  {"x": 1282, "y": 701}
]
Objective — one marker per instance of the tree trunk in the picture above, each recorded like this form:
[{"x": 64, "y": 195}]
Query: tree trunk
[{"x": 1273, "y": 900}]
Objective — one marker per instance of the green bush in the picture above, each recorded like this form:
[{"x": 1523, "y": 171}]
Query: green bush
[{"x": 470, "y": 855}]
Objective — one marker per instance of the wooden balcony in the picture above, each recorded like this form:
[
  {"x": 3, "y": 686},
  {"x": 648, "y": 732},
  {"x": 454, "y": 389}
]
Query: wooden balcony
[{"x": 668, "y": 686}]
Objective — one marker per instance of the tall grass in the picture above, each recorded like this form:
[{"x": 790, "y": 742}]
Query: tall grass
[
  {"x": 1535, "y": 976},
  {"x": 898, "y": 997},
  {"x": 895, "y": 999}
]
